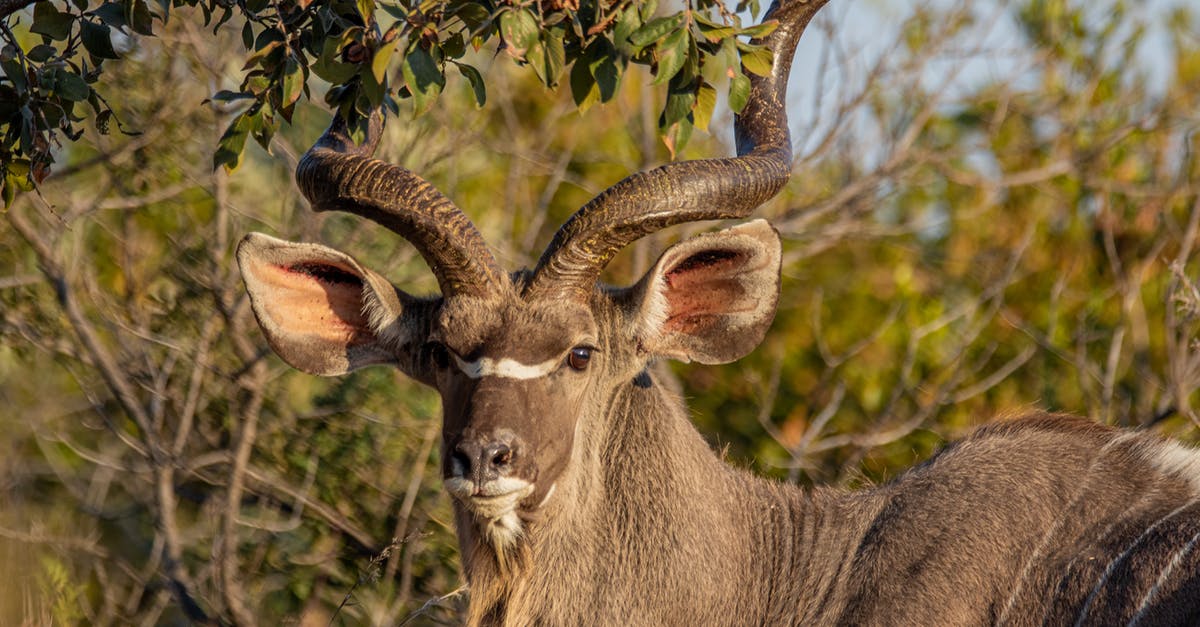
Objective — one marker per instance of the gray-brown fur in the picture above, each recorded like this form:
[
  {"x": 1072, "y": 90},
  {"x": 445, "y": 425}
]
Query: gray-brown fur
[
  {"x": 674, "y": 536},
  {"x": 657, "y": 530},
  {"x": 584, "y": 495}
]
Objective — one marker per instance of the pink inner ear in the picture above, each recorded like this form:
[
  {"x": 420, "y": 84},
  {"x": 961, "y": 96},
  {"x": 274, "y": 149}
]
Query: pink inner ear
[
  {"x": 316, "y": 299},
  {"x": 703, "y": 287}
]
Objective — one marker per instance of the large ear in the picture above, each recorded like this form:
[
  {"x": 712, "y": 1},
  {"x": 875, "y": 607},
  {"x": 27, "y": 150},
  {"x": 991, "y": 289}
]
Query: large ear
[
  {"x": 321, "y": 311},
  {"x": 711, "y": 298}
]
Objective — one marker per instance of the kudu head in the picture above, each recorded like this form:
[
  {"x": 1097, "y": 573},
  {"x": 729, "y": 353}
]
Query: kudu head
[{"x": 521, "y": 360}]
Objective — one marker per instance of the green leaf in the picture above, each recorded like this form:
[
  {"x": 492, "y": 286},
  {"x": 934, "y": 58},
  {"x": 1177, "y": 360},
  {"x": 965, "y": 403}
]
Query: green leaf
[
  {"x": 266, "y": 36},
  {"x": 627, "y": 23},
  {"x": 519, "y": 30},
  {"x": 739, "y": 92},
  {"x": 333, "y": 72},
  {"x": 139, "y": 18},
  {"x": 358, "y": 128},
  {"x": 9, "y": 192},
  {"x": 379, "y": 63},
  {"x": 476, "y": 80},
  {"x": 19, "y": 167},
  {"x": 758, "y": 61},
  {"x": 424, "y": 79},
  {"x": 247, "y": 35},
  {"x": 676, "y": 137},
  {"x": 256, "y": 83},
  {"x": 370, "y": 89},
  {"x": 691, "y": 62},
  {"x": 97, "y": 40},
  {"x": 647, "y": 9},
  {"x": 655, "y": 29},
  {"x": 473, "y": 14},
  {"x": 232, "y": 144},
  {"x": 293, "y": 80},
  {"x": 760, "y": 30},
  {"x": 454, "y": 46},
  {"x": 715, "y": 35},
  {"x": 706, "y": 101},
  {"x": 259, "y": 57},
  {"x": 329, "y": 66},
  {"x": 584, "y": 89},
  {"x": 41, "y": 53},
  {"x": 16, "y": 178},
  {"x": 263, "y": 127},
  {"x": 548, "y": 58},
  {"x": 50, "y": 22},
  {"x": 102, "y": 121},
  {"x": 71, "y": 86},
  {"x": 52, "y": 117},
  {"x": 226, "y": 95},
  {"x": 608, "y": 77},
  {"x": 672, "y": 52},
  {"x": 750, "y": 6},
  {"x": 682, "y": 134},
  {"x": 366, "y": 8},
  {"x": 535, "y": 56},
  {"x": 679, "y": 105},
  {"x": 713, "y": 31},
  {"x": 111, "y": 13},
  {"x": 15, "y": 73},
  {"x": 730, "y": 58},
  {"x": 395, "y": 11}
]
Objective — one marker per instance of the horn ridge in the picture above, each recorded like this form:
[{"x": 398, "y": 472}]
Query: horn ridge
[
  {"x": 337, "y": 174},
  {"x": 687, "y": 191}
]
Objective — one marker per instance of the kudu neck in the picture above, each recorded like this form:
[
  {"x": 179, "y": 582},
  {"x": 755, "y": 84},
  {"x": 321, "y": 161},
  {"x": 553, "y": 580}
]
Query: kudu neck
[
  {"x": 672, "y": 510},
  {"x": 773, "y": 531}
]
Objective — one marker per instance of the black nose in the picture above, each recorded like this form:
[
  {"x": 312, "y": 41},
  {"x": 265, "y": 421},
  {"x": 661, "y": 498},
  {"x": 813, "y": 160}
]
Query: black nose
[{"x": 482, "y": 460}]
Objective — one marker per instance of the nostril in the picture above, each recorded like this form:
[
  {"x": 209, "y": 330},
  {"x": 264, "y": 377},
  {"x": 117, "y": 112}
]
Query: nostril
[
  {"x": 482, "y": 462},
  {"x": 501, "y": 455}
]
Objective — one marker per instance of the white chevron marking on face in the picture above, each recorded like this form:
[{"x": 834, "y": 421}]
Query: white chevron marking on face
[{"x": 505, "y": 368}]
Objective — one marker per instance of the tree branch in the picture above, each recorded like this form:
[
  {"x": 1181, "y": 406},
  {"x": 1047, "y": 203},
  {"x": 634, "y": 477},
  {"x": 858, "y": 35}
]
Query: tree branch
[{"x": 123, "y": 390}]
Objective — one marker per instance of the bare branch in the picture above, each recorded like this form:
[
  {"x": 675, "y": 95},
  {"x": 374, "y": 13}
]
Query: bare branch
[{"x": 105, "y": 362}]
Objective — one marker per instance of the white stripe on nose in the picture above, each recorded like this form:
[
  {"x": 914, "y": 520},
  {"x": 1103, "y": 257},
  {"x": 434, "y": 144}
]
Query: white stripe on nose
[{"x": 505, "y": 368}]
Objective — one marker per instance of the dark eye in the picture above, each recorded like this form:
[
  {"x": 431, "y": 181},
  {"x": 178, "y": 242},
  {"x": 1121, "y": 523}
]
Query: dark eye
[
  {"x": 579, "y": 357},
  {"x": 438, "y": 354}
]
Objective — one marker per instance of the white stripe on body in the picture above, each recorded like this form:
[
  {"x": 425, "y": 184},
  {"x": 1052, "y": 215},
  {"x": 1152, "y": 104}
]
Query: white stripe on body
[
  {"x": 1112, "y": 566},
  {"x": 505, "y": 368},
  {"x": 1052, "y": 532},
  {"x": 1176, "y": 460},
  {"x": 1162, "y": 579}
]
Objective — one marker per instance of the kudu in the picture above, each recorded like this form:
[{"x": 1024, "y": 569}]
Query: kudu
[{"x": 584, "y": 495}]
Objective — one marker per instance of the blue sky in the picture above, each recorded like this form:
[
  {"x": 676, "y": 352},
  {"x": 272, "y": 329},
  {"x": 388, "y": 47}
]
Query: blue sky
[{"x": 992, "y": 49}]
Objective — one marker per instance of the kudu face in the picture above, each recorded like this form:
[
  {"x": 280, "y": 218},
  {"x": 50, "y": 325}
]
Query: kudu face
[
  {"x": 518, "y": 371},
  {"x": 513, "y": 383},
  {"x": 517, "y": 381}
]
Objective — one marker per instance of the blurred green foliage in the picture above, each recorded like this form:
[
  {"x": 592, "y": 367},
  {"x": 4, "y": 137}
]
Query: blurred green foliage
[{"x": 1025, "y": 241}]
